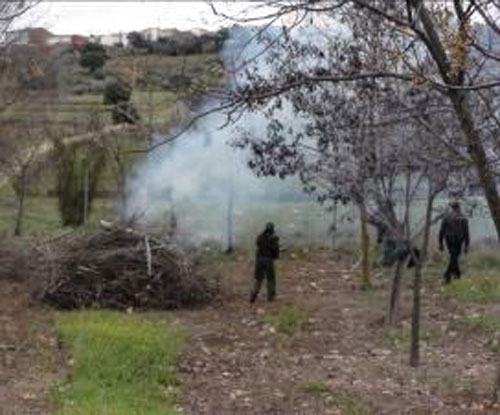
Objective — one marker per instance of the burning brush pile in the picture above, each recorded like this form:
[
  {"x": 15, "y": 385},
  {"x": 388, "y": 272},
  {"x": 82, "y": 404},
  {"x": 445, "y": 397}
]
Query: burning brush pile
[{"x": 122, "y": 268}]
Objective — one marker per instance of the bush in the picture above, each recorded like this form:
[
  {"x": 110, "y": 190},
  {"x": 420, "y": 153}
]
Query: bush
[
  {"x": 93, "y": 56},
  {"x": 79, "y": 169},
  {"x": 117, "y": 91}
]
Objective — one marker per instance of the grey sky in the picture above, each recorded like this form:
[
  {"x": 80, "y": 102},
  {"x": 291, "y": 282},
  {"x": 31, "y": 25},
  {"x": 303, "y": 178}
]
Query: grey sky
[{"x": 100, "y": 17}]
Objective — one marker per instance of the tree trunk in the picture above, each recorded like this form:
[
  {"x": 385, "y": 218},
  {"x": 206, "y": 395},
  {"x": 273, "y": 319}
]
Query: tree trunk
[
  {"x": 417, "y": 282},
  {"x": 462, "y": 109},
  {"x": 394, "y": 300},
  {"x": 415, "y": 317},
  {"x": 20, "y": 207},
  {"x": 85, "y": 193},
  {"x": 230, "y": 208},
  {"x": 478, "y": 155},
  {"x": 333, "y": 226},
  {"x": 365, "y": 247}
]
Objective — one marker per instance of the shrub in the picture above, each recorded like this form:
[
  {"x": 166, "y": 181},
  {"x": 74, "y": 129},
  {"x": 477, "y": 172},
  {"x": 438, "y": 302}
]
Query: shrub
[
  {"x": 79, "y": 169},
  {"x": 93, "y": 56},
  {"x": 117, "y": 91}
]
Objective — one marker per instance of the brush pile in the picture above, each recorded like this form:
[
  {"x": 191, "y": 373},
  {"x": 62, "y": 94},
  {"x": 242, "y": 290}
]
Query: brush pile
[{"x": 121, "y": 268}]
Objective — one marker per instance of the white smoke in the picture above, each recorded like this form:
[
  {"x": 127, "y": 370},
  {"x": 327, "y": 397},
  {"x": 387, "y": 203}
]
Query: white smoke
[{"x": 199, "y": 172}]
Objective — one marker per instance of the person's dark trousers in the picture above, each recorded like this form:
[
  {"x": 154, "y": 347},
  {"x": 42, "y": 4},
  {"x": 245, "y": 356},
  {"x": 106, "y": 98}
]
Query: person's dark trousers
[
  {"x": 264, "y": 269},
  {"x": 454, "y": 246}
]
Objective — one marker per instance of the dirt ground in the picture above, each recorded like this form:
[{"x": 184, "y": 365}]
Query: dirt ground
[
  {"x": 342, "y": 360},
  {"x": 28, "y": 353}
]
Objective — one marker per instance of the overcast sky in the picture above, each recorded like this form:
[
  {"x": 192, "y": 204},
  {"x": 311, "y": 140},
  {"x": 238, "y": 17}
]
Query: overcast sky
[{"x": 100, "y": 17}]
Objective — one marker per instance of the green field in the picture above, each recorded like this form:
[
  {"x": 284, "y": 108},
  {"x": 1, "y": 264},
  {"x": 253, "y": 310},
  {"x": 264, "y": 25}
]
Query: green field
[{"x": 119, "y": 364}]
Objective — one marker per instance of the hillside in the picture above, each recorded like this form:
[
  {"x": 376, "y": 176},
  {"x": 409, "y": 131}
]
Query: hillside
[{"x": 67, "y": 102}]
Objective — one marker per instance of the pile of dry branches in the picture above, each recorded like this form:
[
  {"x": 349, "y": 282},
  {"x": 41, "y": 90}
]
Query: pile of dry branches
[{"x": 121, "y": 268}]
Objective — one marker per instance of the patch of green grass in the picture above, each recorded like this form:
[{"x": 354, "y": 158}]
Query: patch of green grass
[
  {"x": 478, "y": 287},
  {"x": 484, "y": 323},
  {"x": 345, "y": 403},
  {"x": 349, "y": 405},
  {"x": 485, "y": 261},
  {"x": 316, "y": 388},
  {"x": 120, "y": 364},
  {"x": 41, "y": 215},
  {"x": 288, "y": 320}
]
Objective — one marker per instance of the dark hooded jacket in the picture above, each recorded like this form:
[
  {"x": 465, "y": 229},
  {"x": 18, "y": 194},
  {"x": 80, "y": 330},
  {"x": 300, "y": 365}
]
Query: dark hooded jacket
[{"x": 268, "y": 245}]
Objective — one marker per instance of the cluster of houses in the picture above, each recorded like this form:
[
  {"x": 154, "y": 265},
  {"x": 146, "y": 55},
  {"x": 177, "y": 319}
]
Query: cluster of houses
[{"x": 42, "y": 37}]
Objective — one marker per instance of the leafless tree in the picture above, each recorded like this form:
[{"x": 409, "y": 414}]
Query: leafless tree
[
  {"x": 22, "y": 159},
  {"x": 10, "y": 11},
  {"x": 368, "y": 141},
  {"x": 450, "y": 48}
]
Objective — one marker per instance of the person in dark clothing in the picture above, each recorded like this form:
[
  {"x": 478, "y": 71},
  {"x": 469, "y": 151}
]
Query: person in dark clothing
[
  {"x": 268, "y": 251},
  {"x": 455, "y": 232}
]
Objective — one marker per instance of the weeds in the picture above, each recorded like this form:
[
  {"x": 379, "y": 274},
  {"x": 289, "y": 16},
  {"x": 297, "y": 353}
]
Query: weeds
[
  {"x": 485, "y": 261},
  {"x": 487, "y": 324},
  {"x": 349, "y": 405},
  {"x": 316, "y": 388},
  {"x": 482, "y": 324},
  {"x": 345, "y": 403},
  {"x": 288, "y": 320},
  {"x": 120, "y": 365},
  {"x": 480, "y": 287}
]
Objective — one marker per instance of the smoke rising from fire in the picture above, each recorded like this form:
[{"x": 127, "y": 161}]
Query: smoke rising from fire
[{"x": 201, "y": 168}]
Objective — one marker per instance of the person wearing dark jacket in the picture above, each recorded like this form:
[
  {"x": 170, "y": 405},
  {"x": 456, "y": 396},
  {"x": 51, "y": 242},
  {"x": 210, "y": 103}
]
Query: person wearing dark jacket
[
  {"x": 268, "y": 251},
  {"x": 455, "y": 232}
]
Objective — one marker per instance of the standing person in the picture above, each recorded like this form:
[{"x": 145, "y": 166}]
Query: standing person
[
  {"x": 455, "y": 232},
  {"x": 268, "y": 251}
]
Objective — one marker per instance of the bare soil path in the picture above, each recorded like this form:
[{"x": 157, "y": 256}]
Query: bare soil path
[
  {"x": 29, "y": 358},
  {"x": 342, "y": 361}
]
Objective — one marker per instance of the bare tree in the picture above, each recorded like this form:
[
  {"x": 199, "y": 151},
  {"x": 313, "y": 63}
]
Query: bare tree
[
  {"x": 421, "y": 43},
  {"x": 11, "y": 11},
  {"x": 21, "y": 163}
]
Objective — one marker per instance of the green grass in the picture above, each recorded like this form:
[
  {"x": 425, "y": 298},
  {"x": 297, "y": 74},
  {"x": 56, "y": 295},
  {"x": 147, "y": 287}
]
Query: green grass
[
  {"x": 344, "y": 402},
  {"x": 120, "y": 365},
  {"x": 316, "y": 388},
  {"x": 41, "y": 217},
  {"x": 478, "y": 287},
  {"x": 349, "y": 405},
  {"x": 288, "y": 320},
  {"x": 485, "y": 324},
  {"x": 481, "y": 282},
  {"x": 487, "y": 260},
  {"x": 488, "y": 324}
]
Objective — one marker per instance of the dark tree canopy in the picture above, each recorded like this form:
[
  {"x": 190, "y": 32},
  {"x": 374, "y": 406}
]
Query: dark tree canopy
[
  {"x": 93, "y": 56},
  {"x": 117, "y": 93}
]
